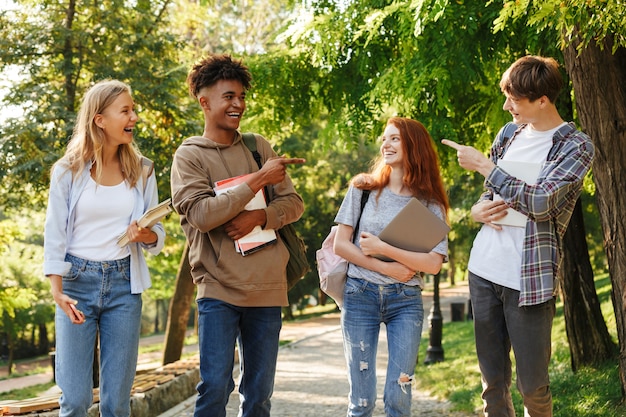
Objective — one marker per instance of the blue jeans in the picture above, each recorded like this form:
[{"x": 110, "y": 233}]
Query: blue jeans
[
  {"x": 256, "y": 331},
  {"x": 499, "y": 324},
  {"x": 366, "y": 306},
  {"x": 103, "y": 293}
]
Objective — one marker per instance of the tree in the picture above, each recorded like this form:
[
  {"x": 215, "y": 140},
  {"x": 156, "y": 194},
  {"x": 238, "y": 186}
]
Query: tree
[
  {"x": 61, "y": 49},
  {"x": 604, "y": 120},
  {"x": 437, "y": 61},
  {"x": 592, "y": 35},
  {"x": 178, "y": 315},
  {"x": 20, "y": 288},
  {"x": 580, "y": 303}
]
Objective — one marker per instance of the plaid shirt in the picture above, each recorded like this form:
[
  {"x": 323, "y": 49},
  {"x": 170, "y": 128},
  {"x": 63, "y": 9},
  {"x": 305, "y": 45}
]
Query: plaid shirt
[{"x": 549, "y": 204}]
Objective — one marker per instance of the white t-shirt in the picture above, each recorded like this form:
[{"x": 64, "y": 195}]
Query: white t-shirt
[
  {"x": 102, "y": 214},
  {"x": 496, "y": 255}
]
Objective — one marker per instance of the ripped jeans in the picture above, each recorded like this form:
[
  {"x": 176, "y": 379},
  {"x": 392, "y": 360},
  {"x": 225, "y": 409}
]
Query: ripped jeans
[{"x": 366, "y": 306}]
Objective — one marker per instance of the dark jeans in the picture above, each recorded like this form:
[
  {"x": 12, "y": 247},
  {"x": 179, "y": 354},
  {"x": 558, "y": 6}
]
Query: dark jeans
[
  {"x": 256, "y": 331},
  {"x": 499, "y": 324}
]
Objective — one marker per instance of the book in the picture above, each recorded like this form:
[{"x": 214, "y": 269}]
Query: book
[
  {"x": 149, "y": 218},
  {"x": 415, "y": 228},
  {"x": 258, "y": 238},
  {"x": 525, "y": 171}
]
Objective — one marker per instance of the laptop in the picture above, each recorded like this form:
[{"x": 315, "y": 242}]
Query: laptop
[{"x": 415, "y": 228}]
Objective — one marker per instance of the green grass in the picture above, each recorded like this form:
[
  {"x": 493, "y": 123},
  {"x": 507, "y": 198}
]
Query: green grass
[
  {"x": 28, "y": 392},
  {"x": 313, "y": 311},
  {"x": 590, "y": 392}
]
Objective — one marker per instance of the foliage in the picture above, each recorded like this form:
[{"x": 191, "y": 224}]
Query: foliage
[
  {"x": 23, "y": 308},
  {"x": 588, "y": 393},
  {"x": 60, "y": 50},
  {"x": 436, "y": 61},
  {"x": 596, "y": 19},
  {"x": 326, "y": 76}
]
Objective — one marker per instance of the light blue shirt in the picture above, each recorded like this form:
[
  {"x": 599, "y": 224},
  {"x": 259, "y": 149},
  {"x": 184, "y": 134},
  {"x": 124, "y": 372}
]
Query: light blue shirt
[{"x": 64, "y": 193}]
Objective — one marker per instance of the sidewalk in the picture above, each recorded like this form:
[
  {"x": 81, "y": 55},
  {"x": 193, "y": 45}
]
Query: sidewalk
[{"x": 311, "y": 376}]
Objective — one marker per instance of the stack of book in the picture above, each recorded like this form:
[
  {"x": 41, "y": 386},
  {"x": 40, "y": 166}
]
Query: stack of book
[{"x": 258, "y": 238}]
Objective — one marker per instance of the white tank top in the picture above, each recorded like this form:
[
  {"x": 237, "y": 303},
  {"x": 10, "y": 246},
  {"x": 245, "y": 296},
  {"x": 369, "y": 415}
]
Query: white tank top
[{"x": 102, "y": 214}]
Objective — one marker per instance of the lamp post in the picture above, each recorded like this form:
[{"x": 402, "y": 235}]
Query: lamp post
[{"x": 434, "y": 353}]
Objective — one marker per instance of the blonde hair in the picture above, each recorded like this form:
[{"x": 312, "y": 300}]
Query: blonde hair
[{"x": 88, "y": 138}]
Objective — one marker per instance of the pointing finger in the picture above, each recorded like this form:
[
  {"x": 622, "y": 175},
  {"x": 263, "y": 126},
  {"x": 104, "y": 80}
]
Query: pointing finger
[
  {"x": 451, "y": 144},
  {"x": 293, "y": 161}
]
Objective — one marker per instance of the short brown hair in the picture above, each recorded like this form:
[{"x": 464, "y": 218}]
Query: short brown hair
[
  {"x": 217, "y": 67},
  {"x": 533, "y": 77}
]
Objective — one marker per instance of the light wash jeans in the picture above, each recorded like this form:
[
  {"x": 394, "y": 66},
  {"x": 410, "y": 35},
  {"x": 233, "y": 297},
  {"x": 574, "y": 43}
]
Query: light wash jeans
[
  {"x": 500, "y": 324},
  {"x": 366, "y": 306},
  {"x": 103, "y": 293},
  {"x": 256, "y": 331}
]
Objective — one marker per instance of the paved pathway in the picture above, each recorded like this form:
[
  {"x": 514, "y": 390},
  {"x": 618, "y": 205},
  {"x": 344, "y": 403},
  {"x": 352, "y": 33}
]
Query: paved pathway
[{"x": 311, "y": 373}]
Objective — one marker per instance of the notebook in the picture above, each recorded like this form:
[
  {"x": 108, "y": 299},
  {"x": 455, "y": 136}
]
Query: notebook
[
  {"x": 415, "y": 228},
  {"x": 525, "y": 171}
]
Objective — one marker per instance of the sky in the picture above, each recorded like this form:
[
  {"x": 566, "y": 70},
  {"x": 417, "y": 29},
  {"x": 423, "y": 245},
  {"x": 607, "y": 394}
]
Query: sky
[{"x": 7, "y": 77}]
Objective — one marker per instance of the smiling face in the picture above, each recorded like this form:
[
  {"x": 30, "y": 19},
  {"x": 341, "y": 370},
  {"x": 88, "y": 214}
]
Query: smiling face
[
  {"x": 391, "y": 147},
  {"x": 118, "y": 120},
  {"x": 223, "y": 103},
  {"x": 523, "y": 110}
]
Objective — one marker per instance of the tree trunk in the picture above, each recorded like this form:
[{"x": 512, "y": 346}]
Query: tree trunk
[
  {"x": 11, "y": 346},
  {"x": 44, "y": 342},
  {"x": 157, "y": 306},
  {"x": 589, "y": 340},
  {"x": 599, "y": 80},
  {"x": 451, "y": 270},
  {"x": 178, "y": 315}
]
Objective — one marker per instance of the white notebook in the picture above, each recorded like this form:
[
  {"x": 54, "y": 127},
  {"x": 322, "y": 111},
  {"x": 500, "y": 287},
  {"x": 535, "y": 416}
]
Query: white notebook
[{"x": 525, "y": 171}]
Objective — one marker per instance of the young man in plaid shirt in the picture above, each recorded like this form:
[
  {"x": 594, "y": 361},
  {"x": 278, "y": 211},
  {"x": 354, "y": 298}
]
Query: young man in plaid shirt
[{"x": 513, "y": 269}]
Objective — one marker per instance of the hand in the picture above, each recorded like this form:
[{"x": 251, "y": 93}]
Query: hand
[
  {"x": 67, "y": 304},
  {"x": 275, "y": 169},
  {"x": 398, "y": 271},
  {"x": 470, "y": 158},
  {"x": 243, "y": 223},
  {"x": 140, "y": 234},
  {"x": 370, "y": 244},
  {"x": 488, "y": 211}
]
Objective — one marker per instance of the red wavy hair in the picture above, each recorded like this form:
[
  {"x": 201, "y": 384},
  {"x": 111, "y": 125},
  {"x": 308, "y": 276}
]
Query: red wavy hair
[{"x": 421, "y": 165}]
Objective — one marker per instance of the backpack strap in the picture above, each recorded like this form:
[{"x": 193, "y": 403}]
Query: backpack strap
[
  {"x": 364, "y": 197},
  {"x": 147, "y": 166},
  {"x": 249, "y": 139},
  {"x": 501, "y": 143}
]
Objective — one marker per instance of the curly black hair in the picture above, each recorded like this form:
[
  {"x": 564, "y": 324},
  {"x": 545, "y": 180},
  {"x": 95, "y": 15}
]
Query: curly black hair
[{"x": 217, "y": 67}]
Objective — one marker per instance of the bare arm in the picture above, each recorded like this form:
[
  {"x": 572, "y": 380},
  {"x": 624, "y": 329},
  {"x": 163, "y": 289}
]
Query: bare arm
[
  {"x": 429, "y": 263},
  {"x": 471, "y": 159},
  {"x": 350, "y": 252}
]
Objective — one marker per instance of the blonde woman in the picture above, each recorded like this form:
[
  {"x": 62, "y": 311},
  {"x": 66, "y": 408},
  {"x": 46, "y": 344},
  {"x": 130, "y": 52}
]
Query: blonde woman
[{"x": 97, "y": 192}]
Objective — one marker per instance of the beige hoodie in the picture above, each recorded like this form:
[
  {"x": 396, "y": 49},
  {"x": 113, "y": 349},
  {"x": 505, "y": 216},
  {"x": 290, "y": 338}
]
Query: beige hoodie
[{"x": 255, "y": 280}]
